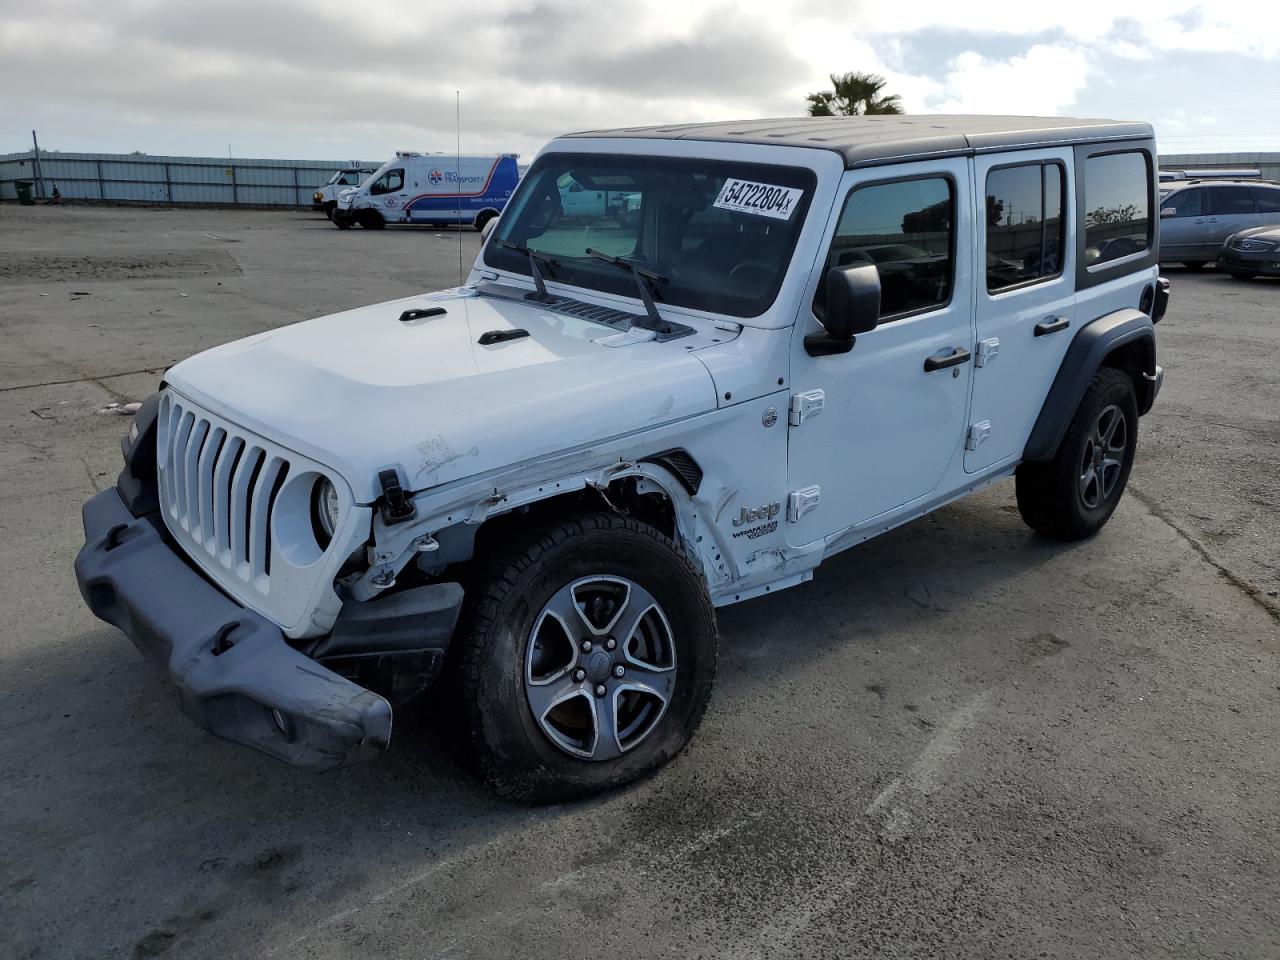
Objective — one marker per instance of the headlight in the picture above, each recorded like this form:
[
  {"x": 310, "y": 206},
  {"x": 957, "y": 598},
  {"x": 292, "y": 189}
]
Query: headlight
[
  {"x": 317, "y": 197},
  {"x": 326, "y": 511}
]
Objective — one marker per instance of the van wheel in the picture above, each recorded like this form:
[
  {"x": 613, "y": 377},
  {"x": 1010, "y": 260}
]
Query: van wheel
[
  {"x": 1242, "y": 274},
  {"x": 1194, "y": 264},
  {"x": 584, "y": 661},
  {"x": 482, "y": 218},
  {"x": 1071, "y": 496},
  {"x": 371, "y": 220},
  {"x": 329, "y": 208}
]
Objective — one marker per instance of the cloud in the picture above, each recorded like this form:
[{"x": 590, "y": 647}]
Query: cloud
[
  {"x": 315, "y": 78},
  {"x": 1044, "y": 80}
]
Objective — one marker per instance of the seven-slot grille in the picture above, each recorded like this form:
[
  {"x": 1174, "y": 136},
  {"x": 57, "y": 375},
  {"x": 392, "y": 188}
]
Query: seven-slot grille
[{"x": 218, "y": 486}]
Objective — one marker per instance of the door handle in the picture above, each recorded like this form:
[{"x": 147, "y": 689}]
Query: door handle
[
  {"x": 957, "y": 356},
  {"x": 1051, "y": 325}
]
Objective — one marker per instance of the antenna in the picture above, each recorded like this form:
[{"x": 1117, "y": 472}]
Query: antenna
[{"x": 457, "y": 181}]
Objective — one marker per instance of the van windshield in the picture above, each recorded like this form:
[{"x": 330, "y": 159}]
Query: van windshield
[{"x": 720, "y": 233}]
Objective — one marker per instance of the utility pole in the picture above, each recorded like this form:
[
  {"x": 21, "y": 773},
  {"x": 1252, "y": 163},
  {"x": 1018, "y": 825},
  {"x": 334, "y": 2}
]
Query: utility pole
[{"x": 35, "y": 144}]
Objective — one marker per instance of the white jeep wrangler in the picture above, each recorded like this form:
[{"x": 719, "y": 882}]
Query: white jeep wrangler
[{"x": 536, "y": 488}]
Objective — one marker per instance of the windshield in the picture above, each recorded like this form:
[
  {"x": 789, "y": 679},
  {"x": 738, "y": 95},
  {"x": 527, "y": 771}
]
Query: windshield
[{"x": 719, "y": 233}]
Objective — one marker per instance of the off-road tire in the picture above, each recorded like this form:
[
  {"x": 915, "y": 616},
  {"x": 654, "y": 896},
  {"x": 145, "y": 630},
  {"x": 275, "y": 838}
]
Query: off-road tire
[
  {"x": 495, "y": 733},
  {"x": 1050, "y": 497}
]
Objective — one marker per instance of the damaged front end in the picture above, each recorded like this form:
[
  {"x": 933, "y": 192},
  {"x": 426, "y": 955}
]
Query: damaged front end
[{"x": 317, "y": 701}]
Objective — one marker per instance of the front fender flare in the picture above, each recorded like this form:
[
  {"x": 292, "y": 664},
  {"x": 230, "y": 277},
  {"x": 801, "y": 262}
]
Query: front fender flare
[{"x": 1085, "y": 356}]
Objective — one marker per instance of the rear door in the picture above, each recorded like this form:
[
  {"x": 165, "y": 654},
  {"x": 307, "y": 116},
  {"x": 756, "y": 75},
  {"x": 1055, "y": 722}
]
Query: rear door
[
  {"x": 1025, "y": 311},
  {"x": 1231, "y": 209},
  {"x": 1268, "y": 200},
  {"x": 1182, "y": 231}
]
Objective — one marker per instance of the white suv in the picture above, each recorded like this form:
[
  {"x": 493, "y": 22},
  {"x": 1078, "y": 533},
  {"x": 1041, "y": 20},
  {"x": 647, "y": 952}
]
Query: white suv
[{"x": 536, "y": 488}]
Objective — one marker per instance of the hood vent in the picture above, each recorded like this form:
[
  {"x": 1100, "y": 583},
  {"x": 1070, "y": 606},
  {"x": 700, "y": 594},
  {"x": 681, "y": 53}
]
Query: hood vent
[{"x": 419, "y": 313}]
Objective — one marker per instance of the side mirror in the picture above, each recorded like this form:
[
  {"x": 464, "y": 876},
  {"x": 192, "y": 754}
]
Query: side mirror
[
  {"x": 852, "y": 306},
  {"x": 1168, "y": 212}
]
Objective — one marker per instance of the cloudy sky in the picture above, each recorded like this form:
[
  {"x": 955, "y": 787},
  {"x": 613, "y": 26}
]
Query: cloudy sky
[{"x": 336, "y": 79}]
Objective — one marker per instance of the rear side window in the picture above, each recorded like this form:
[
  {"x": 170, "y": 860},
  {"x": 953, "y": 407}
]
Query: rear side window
[
  {"x": 1117, "y": 207},
  {"x": 1187, "y": 203},
  {"x": 1268, "y": 199},
  {"x": 1024, "y": 225},
  {"x": 905, "y": 229},
  {"x": 1230, "y": 201}
]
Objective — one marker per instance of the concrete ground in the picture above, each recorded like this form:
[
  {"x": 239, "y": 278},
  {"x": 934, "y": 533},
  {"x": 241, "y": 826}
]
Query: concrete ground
[{"x": 958, "y": 740}]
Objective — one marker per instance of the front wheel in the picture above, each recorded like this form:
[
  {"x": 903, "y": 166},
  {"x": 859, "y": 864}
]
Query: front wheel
[
  {"x": 1242, "y": 274},
  {"x": 585, "y": 661},
  {"x": 1194, "y": 264},
  {"x": 370, "y": 220},
  {"x": 1071, "y": 496}
]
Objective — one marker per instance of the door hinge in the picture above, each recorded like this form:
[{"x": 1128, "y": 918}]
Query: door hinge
[
  {"x": 806, "y": 404},
  {"x": 977, "y": 433},
  {"x": 987, "y": 349},
  {"x": 801, "y": 501}
]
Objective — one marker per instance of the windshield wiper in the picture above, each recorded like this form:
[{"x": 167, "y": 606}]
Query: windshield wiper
[
  {"x": 644, "y": 277},
  {"x": 540, "y": 291}
]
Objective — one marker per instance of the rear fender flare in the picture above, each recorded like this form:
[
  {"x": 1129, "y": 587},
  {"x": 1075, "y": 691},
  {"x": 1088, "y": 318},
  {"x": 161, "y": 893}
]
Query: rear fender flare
[{"x": 1129, "y": 331}]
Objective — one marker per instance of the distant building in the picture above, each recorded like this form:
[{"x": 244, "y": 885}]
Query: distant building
[{"x": 1268, "y": 164}]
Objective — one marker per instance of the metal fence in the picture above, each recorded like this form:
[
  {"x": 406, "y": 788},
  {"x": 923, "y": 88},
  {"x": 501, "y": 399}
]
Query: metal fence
[{"x": 138, "y": 178}]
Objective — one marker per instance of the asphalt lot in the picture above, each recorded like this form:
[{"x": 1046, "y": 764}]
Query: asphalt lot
[{"x": 958, "y": 740}]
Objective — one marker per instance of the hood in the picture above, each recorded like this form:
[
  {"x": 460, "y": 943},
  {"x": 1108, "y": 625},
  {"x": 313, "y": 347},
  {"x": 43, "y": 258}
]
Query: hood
[
  {"x": 362, "y": 391},
  {"x": 1268, "y": 232}
]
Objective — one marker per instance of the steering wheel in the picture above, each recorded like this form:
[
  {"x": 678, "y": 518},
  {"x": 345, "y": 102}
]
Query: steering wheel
[{"x": 741, "y": 268}]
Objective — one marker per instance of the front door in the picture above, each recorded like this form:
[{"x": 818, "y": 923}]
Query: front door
[
  {"x": 1025, "y": 309},
  {"x": 893, "y": 412},
  {"x": 1182, "y": 231}
]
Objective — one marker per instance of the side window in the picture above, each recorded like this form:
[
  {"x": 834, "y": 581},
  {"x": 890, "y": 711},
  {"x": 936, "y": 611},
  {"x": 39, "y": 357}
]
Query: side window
[
  {"x": 1268, "y": 199},
  {"x": 390, "y": 182},
  {"x": 1188, "y": 203},
  {"x": 1117, "y": 206},
  {"x": 906, "y": 230},
  {"x": 1024, "y": 224},
  {"x": 1229, "y": 201}
]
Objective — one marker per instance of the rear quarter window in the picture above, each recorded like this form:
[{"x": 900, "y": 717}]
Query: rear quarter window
[{"x": 1117, "y": 196}]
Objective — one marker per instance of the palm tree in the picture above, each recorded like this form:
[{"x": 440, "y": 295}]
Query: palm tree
[{"x": 855, "y": 94}]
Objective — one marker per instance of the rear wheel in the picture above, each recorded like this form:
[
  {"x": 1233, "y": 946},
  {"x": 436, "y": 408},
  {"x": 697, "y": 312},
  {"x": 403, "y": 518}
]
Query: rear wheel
[
  {"x": 585, "y": 660},
  {"x": 1194, "y": 264},
  {"x": 1071, "y": 496},
  {"x": 482, "y": 218},
  {"x": 1242, "y": 274}
]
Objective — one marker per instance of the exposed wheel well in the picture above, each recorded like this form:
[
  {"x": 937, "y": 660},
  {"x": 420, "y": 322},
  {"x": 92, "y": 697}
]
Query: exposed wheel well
[
  {"x": 1135, "y": 359},
  {"x": 631, "y": 496}
]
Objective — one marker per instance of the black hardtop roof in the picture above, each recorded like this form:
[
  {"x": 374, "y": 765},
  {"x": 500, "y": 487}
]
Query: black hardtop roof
[{"x": 884, "y": 139}]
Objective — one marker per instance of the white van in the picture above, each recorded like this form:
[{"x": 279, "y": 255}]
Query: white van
[
  {"x": 432, "y": 189},
  {"x": 326, "y": 198}
]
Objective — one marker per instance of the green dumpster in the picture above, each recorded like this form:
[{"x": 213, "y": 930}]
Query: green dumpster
[{"x": 25, "y": 189}]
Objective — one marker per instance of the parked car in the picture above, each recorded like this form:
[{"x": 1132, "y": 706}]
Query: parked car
[
  {"x": 528, "y": 495},
  {"x": 1195, "y": 220},
  {"x": 1252, "y": 253},
  {"x": 432, "y": 189},
  {"x": 326, "y": 198}
]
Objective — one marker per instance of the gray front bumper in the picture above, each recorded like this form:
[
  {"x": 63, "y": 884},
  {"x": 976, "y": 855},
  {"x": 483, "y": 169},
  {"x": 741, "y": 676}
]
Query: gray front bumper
[{"x": 236, "y": 675}]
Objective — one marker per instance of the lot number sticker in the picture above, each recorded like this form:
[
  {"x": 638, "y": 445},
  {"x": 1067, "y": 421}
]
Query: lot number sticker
[{"x": 760, "y": 199}]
